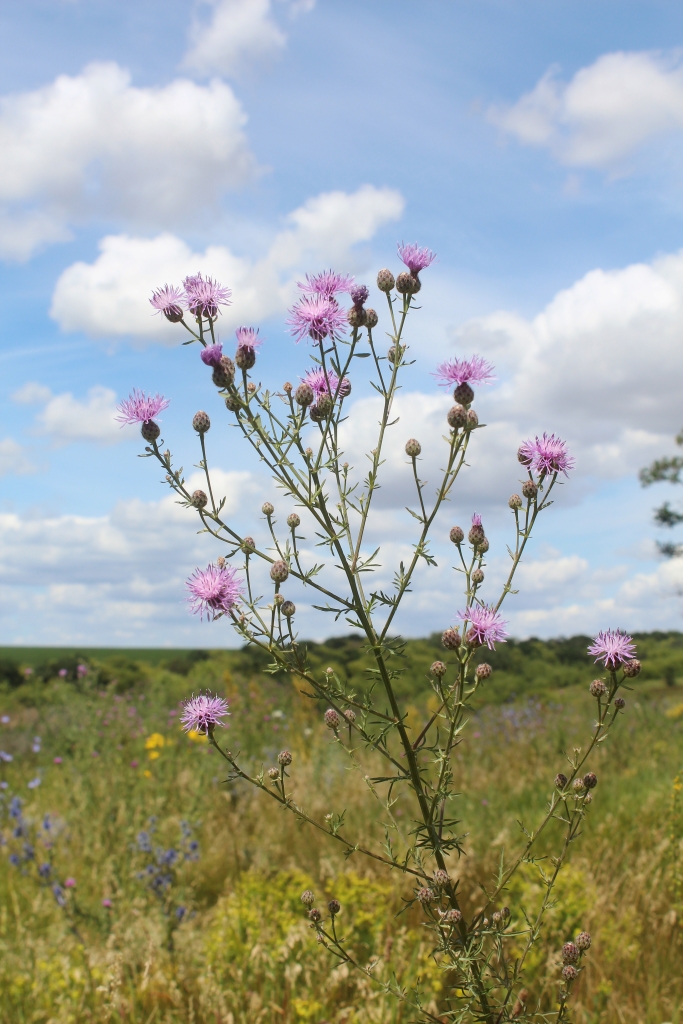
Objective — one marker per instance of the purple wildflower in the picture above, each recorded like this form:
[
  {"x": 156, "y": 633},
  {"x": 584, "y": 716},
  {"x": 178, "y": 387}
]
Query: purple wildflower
[
  {"x": 547, "y": 454},
  {"x": 415, "y": 258},
  {"x": 359, "y": 294},
  {"x": 211, "y": 355},
  {"x": 464, "y": 371},
  {"x": 204, "y": 295},
  {"x": 214, "y": 590},
  {"x": 476, "y": 519},
  {"x": 326, "y": 284},
  {"x": 203, "y": 713},
  {"x": 168, "y": 300},
  {"x": 139, "y": 408},
  {"x": 613, "y": 648},
  {"x": 318, "y": 317},
  {"x": 486, "y": 625},
  {"x": 326, "y": 383},
  {"x": 247, "y": 338}
]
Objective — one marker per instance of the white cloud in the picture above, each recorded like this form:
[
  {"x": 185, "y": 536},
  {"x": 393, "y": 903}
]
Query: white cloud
[
  {"x": 605, "y": 113},
  {"x": 237, "y": 33},
  {"x": 66, "y": 419},
  {"x": 14, "y": 460},
  {"x": 110, "y": 296},
  {"x": 93, "y": 145}
]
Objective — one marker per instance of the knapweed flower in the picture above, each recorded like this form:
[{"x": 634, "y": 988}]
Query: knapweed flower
[
  {"x": 204, "y": 295},
  {"x": 212, "y": 354},
  {"x": 70, "y": 883},
  {"x": 327, "y": 383},
  {"x": 215, "y": 590},
  {"x": 612, "y": 648},
  {"x": 546, "y": 454},
  {"x": 168, "y": 300},
  {"x": 486, "y": 625},
  {"x": 247, "y": 338},
  {"x": 316, "y": 317},
  {"x": 475, "y": 370},
  {"x": 326, "y": 284},
  {"x": 415, "y": 258},
  {"x": 203, "y": 713},
  {"x": 140, "y": 408}
]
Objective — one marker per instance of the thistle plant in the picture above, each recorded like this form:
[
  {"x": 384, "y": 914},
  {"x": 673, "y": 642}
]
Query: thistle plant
[{"x": 297, "y": 431}]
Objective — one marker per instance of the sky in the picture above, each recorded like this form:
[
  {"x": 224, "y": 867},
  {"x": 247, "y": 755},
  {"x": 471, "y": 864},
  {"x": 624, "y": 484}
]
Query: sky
[{"x": 535, "y": 146}]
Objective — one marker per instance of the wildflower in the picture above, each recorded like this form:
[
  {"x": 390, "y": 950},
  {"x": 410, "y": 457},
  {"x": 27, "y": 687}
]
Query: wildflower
[
  {"x": 326, "y": 284},
  {"x": 81, "y": 671},
  {"x": 316, "y": 317},
  {"x": 59, "y": 895},
  {"x": 475, "y": 370},
  {"x": 169, "y": 301},
  {"x": 613, "y": 648},
  {"x": 546, "y": 454},
  {"x": 203, "y": 713},
  {"x": 331, "y": 719},
  {"x": 476, "y": 536},
  {"x": 44, "y": 870},
  {"x": 211, "y": 355},
  {"x": 63, "y": 673},
  {"x": 486, "y": 625},
  {"x": 139, "y": 408},
  {"x": 133, "y": 764},
  {"x": 15, "y": 807},
  {"x": 33, "y": 784},
  {"x": 214, "y": 590},
  {"x": 70, "y": 883},
  {"x": 107, "y": 904},
  {"x": 247, "y": 338},
  {"x": 5, "y": 718},
  {"x": 359, "y": 294},
  {"x": 180, "y": 913},
  {"x": 327, "y": 383},
  {"x": 4, "y": 756},
  {"x": 415, "y": 258},
  {"x": 204, "y": 295}
]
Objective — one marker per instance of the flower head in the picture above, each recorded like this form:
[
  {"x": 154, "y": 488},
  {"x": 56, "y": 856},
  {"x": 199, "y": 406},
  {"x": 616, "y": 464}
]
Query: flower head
[
  {"x": 475, "y": 370},
  {"x": 139, "y": 408},
  {"x": 212, "y": 354},
  {"x": 326, "y": 284},
  {"x": 247, "y": 337},
  {"x": 326, "y": 383},
  {"x": 318, "y": 317},
  {"x": 547, "y": 454},
  {"x": 415, "y": 258},
  {"x": 612, "y": 648},
  {"x": 476, "y": 519},
  {"x": 214, "y": 590},
  {"x": 204, "y": 295},
  {"x": 359, "y": 294},
  {"x": 203, "y": 713},
  {"x": 168, "y": 300},
  {"x": 486, "y": 625}
]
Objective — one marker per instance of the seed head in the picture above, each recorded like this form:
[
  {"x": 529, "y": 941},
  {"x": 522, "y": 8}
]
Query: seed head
[
  {"x": 590, "y": 780},
  {"x": 267, "y": 508},
  {"x": 620, "y": 703},
  {"x": 334, "y": 906},
  {"x": 450, "y": 639},
  {"x": 224, "y": 374},
  {"x": 371, "y": 318},
  {"x": 279, "y": 571},
  {"x": 457, "y": 535},
  {"x": 284, "y": 758},
  {"x": 457, "y": 417},
  {"x": 529, "y": 489},
  {"x": 514, "y": 501},
  {"x": 293, "y": 520},
  {"x": 440, "y": 877},
  {"x": 331, "y": 719},
  {"x": 569, "y": 973},
  {"x": 288, "y": 609},
  {"x": 273, "y": 773},
  {"x": 464, "y": 394},
  {"x": 201, "y": 422},
  {"x": 199, "y": 499},
  {"x": 413, "y": 448},
  {"x": 307, "y": 898},
  {"x": 150, "y": 430},
  {"x": 583, "y": 941},
  {"x": 483, "y": 671},
  {"x": 385, "y": 281},
  {"x": 598, "y": 688},
  {"x": 477, "y": 577},
  {"x": 350, "y": 716},
  {"x": 570, "y": 953},
  {"x": 560, "y": 780},
  {"x": 632, "y": 668},
  {"x": 425, "y": 895},
  {"x": 438, "y": 669}
]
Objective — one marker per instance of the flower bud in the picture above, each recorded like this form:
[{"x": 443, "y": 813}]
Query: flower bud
[
  {"x": 350, "y": 716},
  {"x": 529, "y": 489},
  {"x": 284, "y": 758},
  {"x": 232, "y": 403},
  {"x": 590, "y": 780},
  {"x": 450, "y": 639},
  {"x": 588, "y": 799},
  {"x": 598, "y": 688},
  {"x": 287, "y": 387},
  {"x": 425, "y": 895},
  {"x": 473, "y": 639},
  {"x": 413, "y": 448},
  {"x": 463, "y": 394},
  {"x": 407, "y": 283},
  {"x": 385, "y": 281},
  {"x": 560, "y": 780},
  {"x": 620, "y": 703},
  {"x": 457, "y": 417},
  {"x": 273, "y": 773},
  {"x": 483, "y": 671},
  {"x": 457, "y": 535},
  {"x": 199, "y": 499},
  {"x": 220, "y": 561},
  {"x": 201, "y": 422},
  {"x": 505, "y": 912},
  {"x": 438, "y": 669},
  {"x": 514, "y": 501},
  {"x": 472, "y": 419},
  {"x": 371, "y": 318},
  {"x": 278, "y": 600},
  {"x": 293, "y": 520},
  {"x": 279, "y": 571},
  {"x": 579, "y": 786},
  {"x": 251, "y": 388},
  {"x": 248, "y": 545},
  {"x": 496, "y": 917},
  {"x": 334, "y": 906},
  {"x": 450, "y": 916},
  {"x": 315, "y": 915},
  {"x": 307, "y": 898},
  {"x": 322, "y": 407},
  {"x": 477, "y": 577},
  {"x": 224, "y": 373},
  {"x": 150, "y": 430},
  {"x": 288, "y": 609},
  {"x": 476, "y": 536},
  {"x": 304, "y": 395},
  {"x": 524, "y": 457},
  {"x": 391, "y": 354},
  {"x": 570, "y": 953},
  {"x": 440, "y": 877},
  {"x": 631, "y": 668},
  {"x": 569, "y": 973},
  {"x": 356, "y": 316},
  {"x": 332, "y": 719},
  {"x": 245, "y": 357},
  {"x": 583, "y": 941},
  {"x": 484, "y": 546},
  {"x": 267, "y": 508}
]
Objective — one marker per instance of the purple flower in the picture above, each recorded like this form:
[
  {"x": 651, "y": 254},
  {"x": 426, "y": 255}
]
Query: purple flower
[
  {"x": 317, "y": 317},
  {"x": 326, "y": 383},
  {"x": 214, "y": 590},
  {"x": 415, "y": 258},
  {"x": 359, "y": 294},
  {"x": 476, "y": 519},
  {"x": 139, "y": 408},
  {"x": 613, "y": 648},
  {"x": 4, "y": 756},
  {"x": 56, "y": 760},
  {"x": 247, "y": 338},
  {"x": 464, "y": 371},
  {"x": 203, "y": 713},
  {"x": 33, "y": 784},
  {"x": 547, "y": 454},
  {"x": 211, "y": 355},
  {"x": 107, "y": 904},
  {"x": 204, "y": 295},
  {"x": 486, "y": 625},
  {"x": 168, "y": 300},
  {"x": 326, "y": 284},
  {"x": 63, "y": 673}
]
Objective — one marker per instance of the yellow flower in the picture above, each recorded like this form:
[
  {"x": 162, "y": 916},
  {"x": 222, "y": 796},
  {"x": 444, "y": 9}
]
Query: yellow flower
[
  {"x": 197, "y": 737},
  {"x": 155, "y": 740},
  {"x": 147, "y": 773},
  {"x": 153, "y": 755}
]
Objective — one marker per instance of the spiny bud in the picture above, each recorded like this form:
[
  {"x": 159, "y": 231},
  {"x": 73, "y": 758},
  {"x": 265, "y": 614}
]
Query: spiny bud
[
  {"x": 620, "y": 703},
  {"x": 322, "y": 408},
  {"x": 583, "y": 941},
  {"x": 463, "y": 394},
  {"x": 425, "y": 895},
  {"x": 438, "y": 669},
  {"x": 477, "y": 577},
  {"x": 267, "y": 508},
  {"x": 332, "y": 719},
  {"x": 450, "y": 916},
  {"x": 450, "y": 639},
  {"x": 350, "y": 716},
  {"x": 392, "y": 356},
  {"x": 293, "y": 520},
  {"x": 529, "y": 489},
  {"x": 284, "y": 758},
  {"x": 570, "y": 953},
  {"x": 579, "y": 786},
  {"x": 631, "y": 668},
  {"x": 251, "y": 388},
  {"x": 278, "y": 600},
  {"x": 440, "y": 877},
  {"x": 590, "y": 780},
  {"x": 356, "y": 316},
  {"x": 484, "y": 546},
  {"x": 288, "y": 609},
  {"x": 273, "y": 773},
  {"x": 287, "y": 387},
  {"x": 232, "y": 403},
  {"x": 224, "y": 373},
  {"x": 413, "y": 448},
  {"x": 569, "y": 973},
  {"x": 304, "y": 395},
  {"x": 371, "y": 318},
  {"x": 457, "y": 416},
  {"x": 199, "y": 499},
  {"x": 560, "y": 780},
  {"x": 307, "y": 898},
  {"x": 248, "y": 545},
  {"x": 245, "y": 357},
  {"x": 334, "y": 906},
  {"x": 476, "y": 536},
  {"x": 457, "y": 535},
  {"x": 407, "y": 283},
  {"x": 472, "y": 419},
  {"x": 279, "y": 571},
  {"x": 385, "y": 280},
  {"x": 201, "y": 422},
  {"x": 150, "y": 430},
  {"x": 483, "y": 671},
  {"x": 598, "y": 688},
  {"x": 514, "y": 501},
  {"x": 315, "y": 915}
]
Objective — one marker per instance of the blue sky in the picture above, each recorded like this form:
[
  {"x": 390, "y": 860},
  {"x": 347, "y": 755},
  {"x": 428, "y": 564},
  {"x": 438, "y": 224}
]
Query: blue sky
[{"x": 537, "y": 147}]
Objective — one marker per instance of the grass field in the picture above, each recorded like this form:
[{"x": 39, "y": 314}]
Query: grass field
[{"x": 185, "y": 904}]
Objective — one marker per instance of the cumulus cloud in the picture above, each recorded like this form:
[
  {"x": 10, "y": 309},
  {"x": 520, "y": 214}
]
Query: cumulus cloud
[
  {"x": 236, "y": 34},
  {"x": 14, "y": 460},
  {"x": 93, "y": 145},
  {"x": 110, "y": 296},
  {"x": 604, "y": 114},
  {"x": 65, "y": 418}
]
